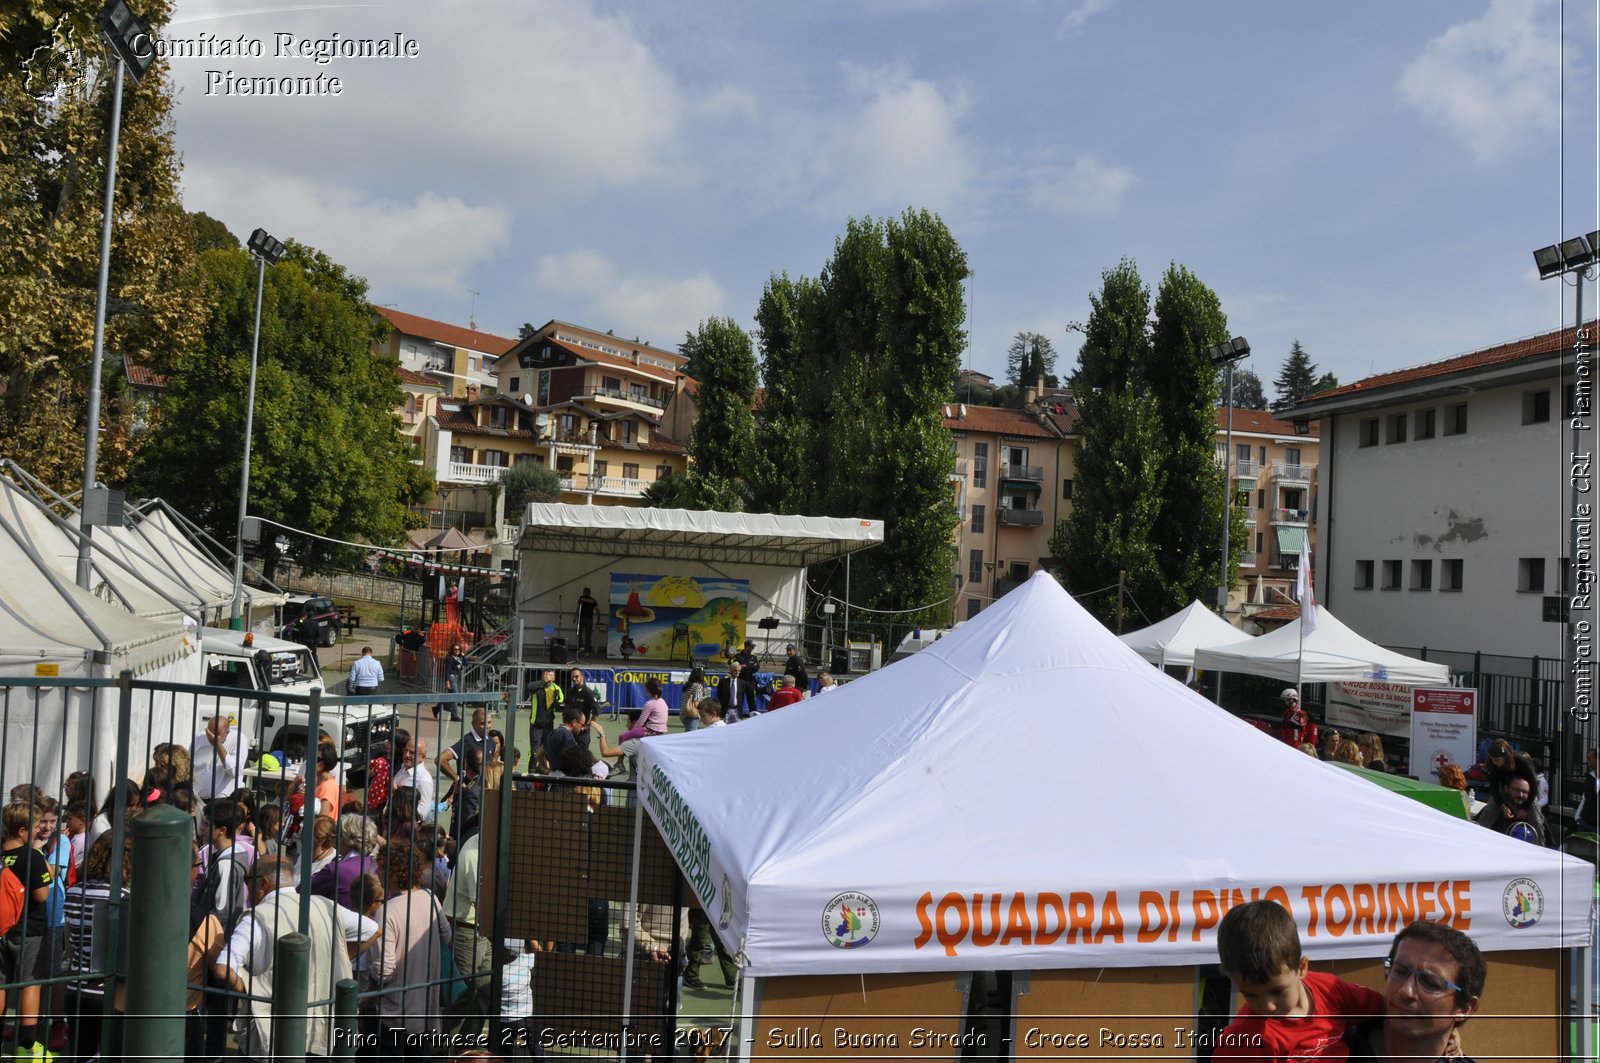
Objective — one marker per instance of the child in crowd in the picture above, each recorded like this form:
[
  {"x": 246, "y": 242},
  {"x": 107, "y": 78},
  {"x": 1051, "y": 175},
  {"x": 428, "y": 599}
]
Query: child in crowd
[
  {"x": 22, "y": 949},
  {"x": 76, "y": 821},
  {"x": 1289, "y": 1012},
  {"x": 516, "y": 993}
]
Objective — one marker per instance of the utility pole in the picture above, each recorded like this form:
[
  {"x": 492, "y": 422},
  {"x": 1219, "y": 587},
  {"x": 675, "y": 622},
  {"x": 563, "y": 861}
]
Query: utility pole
[{"x": 1122, "y": 577}]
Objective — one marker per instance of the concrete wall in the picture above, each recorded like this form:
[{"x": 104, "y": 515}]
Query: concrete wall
[{"x": 1489, "y": 496}]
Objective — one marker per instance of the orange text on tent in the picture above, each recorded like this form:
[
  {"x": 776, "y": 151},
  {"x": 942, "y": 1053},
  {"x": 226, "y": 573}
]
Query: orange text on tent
[{"x": 1339, "y": 909}]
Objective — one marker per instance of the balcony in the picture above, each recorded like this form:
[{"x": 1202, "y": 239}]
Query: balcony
[
  {"x": 619, "y": 395},
  {"x": 1293, "y": 517},
  {"x": 1282, "y": 470},
  {"x": 461, "y": 472},
  {"x": 1022, "y": 518},
  {"x": 1246, "y": 469},
  {"x": 1025, "y": 473},
  {"x": 607, "y": 486},
  {"x": 959, "y": 470}
]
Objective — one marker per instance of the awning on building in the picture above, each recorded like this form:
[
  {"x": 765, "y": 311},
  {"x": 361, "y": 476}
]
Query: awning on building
[{"x": 1290, "y": 540}]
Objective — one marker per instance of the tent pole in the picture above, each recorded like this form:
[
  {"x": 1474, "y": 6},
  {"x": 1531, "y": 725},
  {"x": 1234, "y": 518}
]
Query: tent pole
[
  {"x": 847, "y": 604},
  {"x": 629, "y": 935}
]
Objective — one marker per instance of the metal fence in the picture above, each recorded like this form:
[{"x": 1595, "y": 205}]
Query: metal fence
[{"x": 513, "y": 913}]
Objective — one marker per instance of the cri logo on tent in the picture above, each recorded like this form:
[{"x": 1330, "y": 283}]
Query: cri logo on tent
[
  {"x": 850, "y": 921},
  {"x": 1522, "y": 902}
]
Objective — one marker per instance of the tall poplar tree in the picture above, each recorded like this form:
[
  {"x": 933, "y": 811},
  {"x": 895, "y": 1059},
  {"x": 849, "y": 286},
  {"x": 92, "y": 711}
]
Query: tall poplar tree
[
  {"x": 1116, "y": 497},
  {"x": 1182, "y": 384},
  {"x": 55, "y": 115},
  {"x": 724, "y": 434},
  {"x": 859, "y": 364}
]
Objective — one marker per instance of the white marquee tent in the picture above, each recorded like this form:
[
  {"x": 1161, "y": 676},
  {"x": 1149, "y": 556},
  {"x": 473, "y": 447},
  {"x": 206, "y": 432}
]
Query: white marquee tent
[
  {"x": 884, "y": 828},
  {"x": 1174, "y": 640},
  {"x": 1331, "y": 653}
]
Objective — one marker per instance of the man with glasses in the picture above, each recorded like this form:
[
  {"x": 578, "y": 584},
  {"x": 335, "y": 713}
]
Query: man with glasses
[
  {"x": 1514, "y": 812},
  {"x": 1433, "y": 981}
]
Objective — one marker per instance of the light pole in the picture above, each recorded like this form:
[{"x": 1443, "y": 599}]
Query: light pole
[
  {"x": 130, "y": 40},
  {"x": 1578, "y": 257},
  {"x": 1230, "y": 354},
  {"x": 266, "y": 251}
]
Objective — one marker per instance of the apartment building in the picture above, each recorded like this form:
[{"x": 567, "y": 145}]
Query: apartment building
[
  {"x": 456, "y": 358},
  {"x": 1008, "y": 488},
  {"x": 1445, "y": 499},
  {"x": 1274, "y": 476}
]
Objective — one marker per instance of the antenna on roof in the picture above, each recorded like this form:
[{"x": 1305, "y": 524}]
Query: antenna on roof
[{"x": 472, "y": 315}]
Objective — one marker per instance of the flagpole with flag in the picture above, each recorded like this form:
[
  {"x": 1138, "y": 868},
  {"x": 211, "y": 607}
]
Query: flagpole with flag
[{"x": 1307, "y": 594}]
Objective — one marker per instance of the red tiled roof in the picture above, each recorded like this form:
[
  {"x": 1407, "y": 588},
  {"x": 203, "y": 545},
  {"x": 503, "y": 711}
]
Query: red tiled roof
[
  {"x": 1505, "y": 353},
  {"x": 997, "y": 420},
  {"x": 664, "y": 446},
  {"x": 1261, "y": 421},
  {"x": 1277, "y": 612},
  {"x": 412, "y": 378},
  {"x": 455, "y": 335},
  {"x": 459, "y": 420},
  {"x": 140, "y": 376}
]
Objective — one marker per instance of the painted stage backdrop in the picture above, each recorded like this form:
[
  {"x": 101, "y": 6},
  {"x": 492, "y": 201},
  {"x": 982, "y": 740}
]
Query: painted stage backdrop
[{"x": 647, "y": 609}]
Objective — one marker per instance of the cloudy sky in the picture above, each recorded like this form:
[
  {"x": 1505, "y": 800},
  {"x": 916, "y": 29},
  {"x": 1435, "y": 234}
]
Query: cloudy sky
[{"x": 1367, "y": 176}]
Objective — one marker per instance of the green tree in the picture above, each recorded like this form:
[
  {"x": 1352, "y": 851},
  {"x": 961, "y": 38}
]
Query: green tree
[
  {"x": 786, "y": 465},
  {"x": 1296, "y": 379},
  {"x": 1030, "y": 359},
  {"x": 1182, "y": 382},
  {"x": 327, "y": 455},
  {"x": 1247, "y": 391},
  {"x": 1118, "y": 485},
  {"x": 859, "y": 364},
  {"x": 724, "y": 434},
  {"x": 525, "y": 330},
  {"x": 526, "y": 482},
  {"x": 1325, "y": 382},
  {"x": 210, "y": 233},
  {"x": 55, "y": 105}
]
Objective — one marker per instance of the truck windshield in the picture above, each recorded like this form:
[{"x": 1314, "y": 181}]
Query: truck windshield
[{"x": 290, "y": 667}]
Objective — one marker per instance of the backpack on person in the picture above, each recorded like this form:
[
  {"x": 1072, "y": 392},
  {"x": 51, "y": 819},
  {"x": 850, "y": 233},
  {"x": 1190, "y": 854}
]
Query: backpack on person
[
  {"x": 204, "y": 898},
  {"x": 13, "y": 900}
]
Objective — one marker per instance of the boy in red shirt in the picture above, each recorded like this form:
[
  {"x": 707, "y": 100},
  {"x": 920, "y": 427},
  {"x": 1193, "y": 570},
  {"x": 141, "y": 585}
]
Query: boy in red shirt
[{"x": 1290, "y": 1013}]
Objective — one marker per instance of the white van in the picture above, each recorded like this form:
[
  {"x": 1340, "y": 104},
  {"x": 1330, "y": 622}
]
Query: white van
[{"x": 250, "y": 662}]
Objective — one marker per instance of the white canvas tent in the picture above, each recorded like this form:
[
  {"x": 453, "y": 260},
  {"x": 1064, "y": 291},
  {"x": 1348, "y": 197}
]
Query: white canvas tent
[
  {"x": 1331, "y": 653},
  {"x": 881, "y": 828},
  {"x": 1174, "y": 640},
  {"x": 50, "y": 627},
  {"x": 166, "y": 544}
]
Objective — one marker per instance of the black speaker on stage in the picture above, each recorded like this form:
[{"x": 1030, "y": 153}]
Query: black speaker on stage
[
  {"x": 558, "y": 651},
  {"x": 840, "y": 664}
]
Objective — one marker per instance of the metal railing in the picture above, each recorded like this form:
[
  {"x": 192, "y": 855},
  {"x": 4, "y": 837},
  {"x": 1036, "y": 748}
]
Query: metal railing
[
  {"x": 1028, "y": 518},
  {"x": 1283, "y": 470},
  {"x": 1282, "y": 515},
  {"x": 1031, "y": 473},
  {"x": 623, "y": 395}
]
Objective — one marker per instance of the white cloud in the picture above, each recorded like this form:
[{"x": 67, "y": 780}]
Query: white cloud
[
  {"x": 425, "y": 244},
  {"x": 1088, "y": 187},
  {"x": 658, "y": 310},
  {"x": 902, "y": 146},
  {"x": 1082, "y": 12},
  {"x": 1492, "y": 83}
]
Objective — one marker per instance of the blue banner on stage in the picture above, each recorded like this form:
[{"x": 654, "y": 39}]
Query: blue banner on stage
[{"x": 623, "y": 688}]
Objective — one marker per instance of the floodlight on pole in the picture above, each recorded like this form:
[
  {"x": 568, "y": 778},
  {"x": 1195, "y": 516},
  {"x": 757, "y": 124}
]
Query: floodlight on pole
[
  {"x": 1578, "y": 256},
  {"x": 267, "y": 251},
  {"x": 130, "y": 40},
  {"x": 1229, "y": 353}
]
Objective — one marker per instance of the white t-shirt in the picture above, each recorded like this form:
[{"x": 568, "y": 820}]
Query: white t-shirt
[{"x": 421, "y": 779}]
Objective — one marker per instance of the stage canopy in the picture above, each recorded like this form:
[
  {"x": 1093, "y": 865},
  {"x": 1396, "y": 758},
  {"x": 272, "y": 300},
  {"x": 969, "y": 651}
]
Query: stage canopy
[
  {"x": 885, "y": 827},
  {"x": 1174, "y": 640},
  {"x": 696, "y": 535},
  {"x": 1332, "y": 653}
]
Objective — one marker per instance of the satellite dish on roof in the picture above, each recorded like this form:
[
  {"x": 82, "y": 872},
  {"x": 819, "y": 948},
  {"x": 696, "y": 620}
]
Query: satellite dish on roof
[{"x": 527, "y": 398}]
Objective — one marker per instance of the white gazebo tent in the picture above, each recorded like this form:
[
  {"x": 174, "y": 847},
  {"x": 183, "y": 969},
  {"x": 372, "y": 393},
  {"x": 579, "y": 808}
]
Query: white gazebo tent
[
  {"x": 1174, "y": 640},
  {"x": 880, "y": 831},
  {"x": 1331, "y": 653},
  {"x": 51, "y": 628}
]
